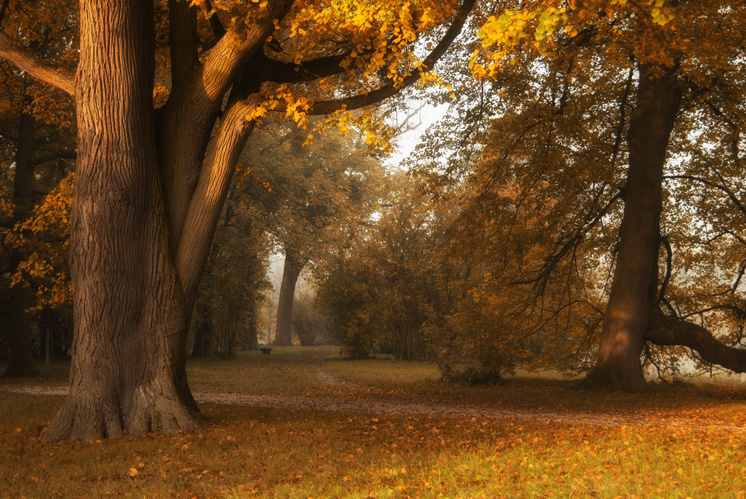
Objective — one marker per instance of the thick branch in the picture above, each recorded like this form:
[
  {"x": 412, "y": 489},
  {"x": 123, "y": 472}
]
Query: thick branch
[
  {"x": 182, "y": 39},
  {"x": 192, "y": 109},
  {"x": 665, "y": 330},
  {"x": 374, "y": 96},
  {"x": 284, "y": 72},
  {"x": 56, "y": 76},
  {"x": 209, "y": 196}
]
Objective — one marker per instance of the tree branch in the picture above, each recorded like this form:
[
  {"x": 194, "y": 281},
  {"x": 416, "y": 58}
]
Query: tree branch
[
  {"x": 25, "y": 60},
  {"x": 282, "y": 72},
  {"x": 191, "y": 111},
  {"x": 217, "y": 27},
  {"x": 182, "y": 39},
  {"x": 52, "y": 157},
  {"x": 374, "y": 96},
  {"x": 201, "y": 219},
  {"x": 665, "y": 330}
]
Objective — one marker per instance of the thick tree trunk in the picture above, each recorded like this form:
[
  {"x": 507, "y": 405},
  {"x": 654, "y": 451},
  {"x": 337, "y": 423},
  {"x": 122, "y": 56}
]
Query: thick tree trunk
[
  {"x": 21, "y": 349},
  {"x": 290, "y": 272},
  {"x": 127, "y": 372},
  {"x": 618, "y": 363}
]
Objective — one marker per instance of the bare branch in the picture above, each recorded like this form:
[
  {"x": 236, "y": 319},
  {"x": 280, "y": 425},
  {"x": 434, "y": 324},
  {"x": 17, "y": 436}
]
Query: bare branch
[
  {"x": 374, "y": 96},
  {"x": 25, "y": 60},
  {"x": 52, "y": 157}
]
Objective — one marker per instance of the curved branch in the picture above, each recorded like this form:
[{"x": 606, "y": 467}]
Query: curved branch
[
  {"x": 314, "y": 69},
  {"x": 52, "y": 157},
  {"x": 665, "y": 330},
  {"x": 669, "y": 257},
  {"x": 374, "y": 96},
  {"x": 553, "y": 260},
  {"x": 25, "y": 60}
]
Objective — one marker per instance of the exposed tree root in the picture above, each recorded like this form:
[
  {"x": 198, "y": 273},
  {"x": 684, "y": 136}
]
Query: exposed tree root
[{"x": 86, "y": 416}]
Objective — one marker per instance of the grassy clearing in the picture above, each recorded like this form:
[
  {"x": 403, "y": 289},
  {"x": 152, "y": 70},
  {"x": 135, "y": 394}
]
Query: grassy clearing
[
  {"x": 704, "y": 402},
  {"x": 244, "y": 452},
  {"x": 287, "y": 370},
  {"x": 247, "y": 452}
]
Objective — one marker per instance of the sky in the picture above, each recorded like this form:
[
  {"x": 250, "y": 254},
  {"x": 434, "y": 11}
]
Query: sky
[{"x": 405, "y": 143}]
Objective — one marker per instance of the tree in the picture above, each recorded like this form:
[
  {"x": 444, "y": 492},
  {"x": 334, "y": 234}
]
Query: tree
[
  {"x": 308, "y": 192},
  {"x": 653, "y": 42},
  {"x": 394, "y": 286},
  {"x": 36, "y": 123},
  {"x": 234, "y": 280},
  {"x": 150, "y": 186}
]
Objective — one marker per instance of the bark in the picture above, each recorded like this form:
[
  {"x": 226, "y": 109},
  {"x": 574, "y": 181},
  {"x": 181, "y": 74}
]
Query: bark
[
  {"x": 290, "y": 272},
  {"x": 627, "y": 314},
  {"x": 21, "y": 348},
  {"x": 127, "y": 371}
]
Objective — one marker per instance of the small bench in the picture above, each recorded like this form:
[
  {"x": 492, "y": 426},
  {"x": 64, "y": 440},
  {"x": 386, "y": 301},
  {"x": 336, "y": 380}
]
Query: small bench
[{"x": 265, "y": 351}]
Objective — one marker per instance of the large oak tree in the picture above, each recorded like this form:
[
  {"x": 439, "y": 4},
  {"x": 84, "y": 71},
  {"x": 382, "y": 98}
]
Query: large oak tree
[
  {"x": 585, "y": 123},
  {"x": 150, "y": 184}
]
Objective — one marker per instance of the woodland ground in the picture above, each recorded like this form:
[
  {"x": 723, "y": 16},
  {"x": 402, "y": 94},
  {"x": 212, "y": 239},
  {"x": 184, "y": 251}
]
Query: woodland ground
[{"x": 302, "y": 422}]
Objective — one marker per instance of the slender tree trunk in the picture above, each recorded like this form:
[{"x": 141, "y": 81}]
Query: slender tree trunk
[
  {"x": 290, "y": 272},
  {"x": 21, "y": 349},
  {"x": 253, "y": 332},
  {"x": 627, "y": 315},
  {"x": 127, "y": 372},
  {"x": 203, "y": 331}
]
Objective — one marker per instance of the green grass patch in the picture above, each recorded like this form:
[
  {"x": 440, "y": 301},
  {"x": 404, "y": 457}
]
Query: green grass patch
[
  {"x": 249, "y": 452},
  {"x": 245, "y": 452},
  {"x": 287, "y": 370}
]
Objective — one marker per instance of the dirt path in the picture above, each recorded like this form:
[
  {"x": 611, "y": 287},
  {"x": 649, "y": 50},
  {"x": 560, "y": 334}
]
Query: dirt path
[{"x": 402, "y": 408}]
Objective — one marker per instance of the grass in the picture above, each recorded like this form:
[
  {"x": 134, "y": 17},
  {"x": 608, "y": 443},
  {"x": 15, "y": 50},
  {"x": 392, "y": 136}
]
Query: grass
[
  {"x": 287, "y": 370},
  {"x": 248, "y": 452}
]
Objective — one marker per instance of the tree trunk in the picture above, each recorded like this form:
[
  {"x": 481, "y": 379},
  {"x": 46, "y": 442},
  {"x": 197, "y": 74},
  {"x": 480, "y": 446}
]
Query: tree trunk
[
  {"x": 618, "y": 363},
  {"x": 127, "y": 372},
  {"x": 21, "y": 349},
  {"x": 290, "y": 272},
  {"x": 252, "y": 339},
  {"x": 203, "y": 331}
]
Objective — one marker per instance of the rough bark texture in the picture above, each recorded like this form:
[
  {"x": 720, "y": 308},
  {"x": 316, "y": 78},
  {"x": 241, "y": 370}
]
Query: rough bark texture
[
  {"x": 129, "y": 316},
  {"x": 618, "y": 363},
  {"x": 21, "y": 348},
  {"x": 290, "y": 272}
]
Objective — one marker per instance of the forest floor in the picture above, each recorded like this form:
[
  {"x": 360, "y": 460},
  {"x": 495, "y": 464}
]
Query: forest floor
[
  {"x": 302, "y": 422},
  {"x": 327, "y": 392}
]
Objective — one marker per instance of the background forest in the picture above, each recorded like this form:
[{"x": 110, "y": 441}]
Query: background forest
[{"x": 583, "y": 190}]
